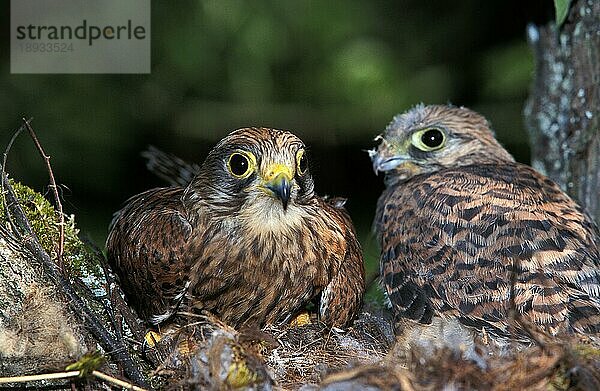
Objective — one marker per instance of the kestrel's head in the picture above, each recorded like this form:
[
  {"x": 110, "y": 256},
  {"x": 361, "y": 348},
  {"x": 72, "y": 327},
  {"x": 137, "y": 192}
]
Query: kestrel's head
[
  {"x": 255, "y": 165},
  {"x": 426, "y": 139}
]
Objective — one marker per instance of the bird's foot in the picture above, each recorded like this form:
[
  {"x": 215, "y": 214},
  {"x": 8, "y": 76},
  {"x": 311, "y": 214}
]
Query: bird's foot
[
  {"x": 186, "y": 347},
  {"x": 302, "y": 319},
  {"x": 169, "y": 338},
  {"x": 152, "y": 338}
]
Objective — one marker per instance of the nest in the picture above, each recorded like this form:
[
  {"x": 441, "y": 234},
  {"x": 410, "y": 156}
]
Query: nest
[
  {"x": 208, "y": 354},
  {"x": 571, "y": 363},
  {"x": 200, "y": 352}
]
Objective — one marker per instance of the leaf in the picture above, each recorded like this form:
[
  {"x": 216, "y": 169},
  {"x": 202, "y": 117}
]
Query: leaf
[{"x": 562, "y": 10}]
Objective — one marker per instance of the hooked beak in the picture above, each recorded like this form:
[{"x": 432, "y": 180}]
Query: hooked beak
[
  {"x": 383, "y": 163},
  {"x": 279, "y": 182}
]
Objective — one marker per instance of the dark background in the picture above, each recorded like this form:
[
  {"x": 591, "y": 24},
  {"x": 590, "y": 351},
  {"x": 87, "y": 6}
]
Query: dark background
[{"x": 334, "y": 72}]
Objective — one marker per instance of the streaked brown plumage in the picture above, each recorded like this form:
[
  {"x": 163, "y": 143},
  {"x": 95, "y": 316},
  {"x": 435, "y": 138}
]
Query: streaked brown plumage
[
  {"x": 459, "y": 215},
  {"x": 247, "y": 239}
]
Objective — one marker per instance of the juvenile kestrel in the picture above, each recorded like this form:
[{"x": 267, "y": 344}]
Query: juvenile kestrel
[
  {"x": 247, "y": 239},
  {"x": 460, "y": 221}
]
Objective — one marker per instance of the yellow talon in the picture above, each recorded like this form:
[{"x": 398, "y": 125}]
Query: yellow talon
[
  {"x": 186, "y": 347},
  {"x": 302, "y": 319},
  {"x": 152, "y": 338}
]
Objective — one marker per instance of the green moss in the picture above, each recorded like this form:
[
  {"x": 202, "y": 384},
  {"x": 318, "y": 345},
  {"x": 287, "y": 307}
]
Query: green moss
[
  {"x": 581, "y": 355},
  {"x": 587, "y": 352},
  {"x": 44, "y": 220},
  {"x": 87, "y": 364}
]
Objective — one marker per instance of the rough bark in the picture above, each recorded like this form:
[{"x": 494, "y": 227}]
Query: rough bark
[
  {"x": 49, "y": 316},
  {"x": 37, "y": 333},
  {"x": 563, "y": 111},
  {"x": 37, "y": 330}
]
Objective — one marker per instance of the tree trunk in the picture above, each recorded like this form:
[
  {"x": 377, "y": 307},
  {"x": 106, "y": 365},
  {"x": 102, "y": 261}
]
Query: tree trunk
[{"x": 563, "y": 111}]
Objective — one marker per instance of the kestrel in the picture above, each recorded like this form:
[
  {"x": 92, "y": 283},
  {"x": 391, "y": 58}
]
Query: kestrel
[
  {"x": 467, "y": 233},
  {"x": 245, "y": 238}
]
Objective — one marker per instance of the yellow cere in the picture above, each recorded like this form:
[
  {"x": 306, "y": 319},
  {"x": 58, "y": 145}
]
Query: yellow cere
[{"x": 277, "y": 169}]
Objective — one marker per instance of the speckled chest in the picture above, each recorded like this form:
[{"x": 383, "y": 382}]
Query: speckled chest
[{"x": 248, "y": 270}]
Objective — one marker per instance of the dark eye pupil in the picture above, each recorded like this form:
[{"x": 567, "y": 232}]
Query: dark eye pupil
[
  {"x": 238, "y": 164},
  {"x": 303, "y": 164},
  {"x": 432, "y": 138}
]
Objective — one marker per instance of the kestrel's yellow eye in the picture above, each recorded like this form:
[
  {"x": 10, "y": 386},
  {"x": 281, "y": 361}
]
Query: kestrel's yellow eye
[
  {"x": 241, "y": 164},
  {"x": 430, "y": 139},
  {"x": 301, "y": 162}
]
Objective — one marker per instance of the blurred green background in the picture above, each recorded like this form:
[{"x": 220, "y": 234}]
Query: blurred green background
[{"x": 334, "y": 72}]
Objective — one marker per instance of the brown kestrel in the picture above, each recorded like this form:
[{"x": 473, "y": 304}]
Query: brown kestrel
[
  {"x": 466, "y": 232},
  {"x": 246, "y": 239}
]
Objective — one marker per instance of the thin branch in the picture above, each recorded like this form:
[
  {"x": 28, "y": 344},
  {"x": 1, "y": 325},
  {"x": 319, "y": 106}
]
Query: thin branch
[
  {"x": 67, "y": 375},
  {"x": 118, "y": 382},
  {"x": 9, "y": 146},
  {"x": 12, "y": 242},
  {"x": 109, "y": 307},
  {"x": 61, "y": 216},
  {"x": 4, "y": 158},
  {"x": 32, "y": 244},
  {"x": 43, "y": 376},
  {"x": 115, "y": 296}
]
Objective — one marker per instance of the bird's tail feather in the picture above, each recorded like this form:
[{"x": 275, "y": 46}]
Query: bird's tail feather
[{"x": 169, "y": 167}]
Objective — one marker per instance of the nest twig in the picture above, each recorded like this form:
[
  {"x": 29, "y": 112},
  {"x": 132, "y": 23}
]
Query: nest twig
[
  {"x": 22, "y": 232},
  {"x": 61, "y": 216}
]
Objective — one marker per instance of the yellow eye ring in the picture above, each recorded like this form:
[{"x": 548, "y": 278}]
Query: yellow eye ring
[
  {"x": 429, "y": 139},
  {"x": 301, "y": 162},
  {"x": 241, "y": 164}
]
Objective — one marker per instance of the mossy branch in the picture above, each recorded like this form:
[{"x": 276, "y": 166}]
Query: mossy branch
[
  {"x": 21, "y": 231},
  {"x": 61, "y": 216}
]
